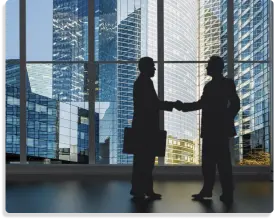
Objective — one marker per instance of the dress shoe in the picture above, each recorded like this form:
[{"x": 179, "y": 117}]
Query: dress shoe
[
  {"x": 228, "y": 199},
  {"x": 202, "y": 195},
  {"x": 137, "y": 195},
  {"x": 154, "y": 196}
]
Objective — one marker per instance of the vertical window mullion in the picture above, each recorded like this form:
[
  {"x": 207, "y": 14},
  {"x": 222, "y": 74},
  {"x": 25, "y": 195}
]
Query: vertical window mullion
[
  {"x": 23, "y": 128},
  {"x": 271, "y": 33},
  {"x": 160, "y": 27},
  {"x": 230, "y": 56},
  {"x": 91, "y": 80}
]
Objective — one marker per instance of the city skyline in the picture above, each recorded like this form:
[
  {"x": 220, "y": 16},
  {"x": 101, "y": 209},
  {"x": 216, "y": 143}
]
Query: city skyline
[{"x": 127, "y": 32}]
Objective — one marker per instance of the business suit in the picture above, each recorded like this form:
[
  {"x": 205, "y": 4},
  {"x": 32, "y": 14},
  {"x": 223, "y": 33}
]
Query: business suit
[
  {"x": 219, "y": 104},
  {"x": 146, "y": 117}
]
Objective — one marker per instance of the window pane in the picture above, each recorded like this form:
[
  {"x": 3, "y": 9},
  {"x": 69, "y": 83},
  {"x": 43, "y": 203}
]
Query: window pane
[
  {"x": 59, "y": 95},
  {"x": 251, "y": 30},
  {"x": 252, "y": 123},
  {"x": 57, "y": 30},
  {"x": 181, "y": 83},
  {"x": 113, "y": 111},
  {"x": 12, "y": 29},
  {"x": 194, "y": 30},
  {"x": 12, "y": 111},
  {"x": 125, "y": 30}
]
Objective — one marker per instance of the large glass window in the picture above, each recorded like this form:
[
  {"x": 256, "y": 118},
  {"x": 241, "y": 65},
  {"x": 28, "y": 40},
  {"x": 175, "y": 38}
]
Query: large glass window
[
  {"x": 57, "y": 113},
  {"x": 12, "y": 115},
  {"x": 114, "y": 110},
  {"x": 181, "y": 83},
  {"x": 186, "y": 21},
  {"x": 12, "y": 29},
  {"x": 252, "y": 145},
  {"x": 57, "y": 30},
  {"x": 125, "y": 30},
  {"x": 12, "y": 82},
  {"x": 59, "y": 105},
  {"x": 254, "y": 24}
]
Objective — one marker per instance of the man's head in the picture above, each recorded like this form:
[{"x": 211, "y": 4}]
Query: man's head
[
  {"x": 215, "y": 66},
  {"x": 146, "y": 66}
]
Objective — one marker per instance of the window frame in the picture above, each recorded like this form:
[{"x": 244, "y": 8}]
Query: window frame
[{"x": 92, "y": 65}]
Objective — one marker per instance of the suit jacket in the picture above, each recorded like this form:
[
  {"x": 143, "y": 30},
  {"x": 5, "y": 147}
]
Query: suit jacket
[
  {"x": 220, "y": 104},
  {"x": 147, "y": 106}
]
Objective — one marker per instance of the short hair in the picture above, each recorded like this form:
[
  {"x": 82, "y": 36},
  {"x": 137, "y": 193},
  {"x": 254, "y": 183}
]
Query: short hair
[
  {"x": 144, "y": 62},
  {"x": 218, "y": 63}
]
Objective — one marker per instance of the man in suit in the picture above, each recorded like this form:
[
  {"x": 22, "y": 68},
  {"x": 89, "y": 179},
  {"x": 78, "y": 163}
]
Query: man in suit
[
  {"x": 146, "y": 117},
  {"x": 219, "y": 104}
]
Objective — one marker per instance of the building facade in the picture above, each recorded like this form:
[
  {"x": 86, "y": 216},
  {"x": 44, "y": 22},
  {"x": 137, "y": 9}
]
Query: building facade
[
  {"x": 180, "y": 79},
  {"x": 251, "y": 43},
  {"x": 55, "y": 130}
]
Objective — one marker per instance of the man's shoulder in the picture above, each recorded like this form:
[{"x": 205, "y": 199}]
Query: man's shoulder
[
  {"x": 229, "y": 81},
  {"x": 141, "y": 82},
  {"x": 138, "y": 80}
]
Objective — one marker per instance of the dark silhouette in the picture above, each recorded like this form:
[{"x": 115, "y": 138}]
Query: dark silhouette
[
  {"x": 141, "y": 206},
  {"x": 219, "y": 104},
  {"x": 146, "y": 117}
]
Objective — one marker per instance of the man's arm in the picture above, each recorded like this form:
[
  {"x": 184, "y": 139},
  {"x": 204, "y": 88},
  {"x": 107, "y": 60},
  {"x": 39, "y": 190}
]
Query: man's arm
[
  {"x": 197, "y": 105},
  {"x": 233, "y": 99},
  {"x": 166, "y": 105}
]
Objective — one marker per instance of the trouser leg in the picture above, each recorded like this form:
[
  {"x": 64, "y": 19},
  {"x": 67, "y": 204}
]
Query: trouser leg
[
  {"x": 208, "y": 165},
  {"x": 225, "y": 167}
]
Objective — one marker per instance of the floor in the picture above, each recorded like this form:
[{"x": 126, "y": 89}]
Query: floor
[{"x": 90, "y": 194}]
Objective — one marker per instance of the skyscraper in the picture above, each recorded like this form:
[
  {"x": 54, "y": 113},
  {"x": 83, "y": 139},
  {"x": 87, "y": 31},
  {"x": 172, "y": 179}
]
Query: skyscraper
[
  {"x": 209, "y": 43},
  {"x": 251, "y": 42},
  {"x": 105, "y": 50},
  {"x": 40, "y": 116},
  {"x": 70, "y": 37},
  {"x": 70, "y": 81},
  {"x": 127, "y": 32},
  {"x": 180, "y": 79}
]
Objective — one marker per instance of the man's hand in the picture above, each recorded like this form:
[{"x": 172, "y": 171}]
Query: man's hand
[{"x": 178, "y": 105}]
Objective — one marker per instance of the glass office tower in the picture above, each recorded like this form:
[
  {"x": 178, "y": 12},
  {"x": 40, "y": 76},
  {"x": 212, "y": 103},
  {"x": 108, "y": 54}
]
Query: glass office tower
[
  {"x": 209, "y": 43},
  {"x": 57, "y": 105},
  {"x": 47, "y": 122},
  {"x": 70, "y": 37},
  {"x": 251, "y": 43},
  {"x": 180, "y": 26},
  {"x": 69, "y": 81}
]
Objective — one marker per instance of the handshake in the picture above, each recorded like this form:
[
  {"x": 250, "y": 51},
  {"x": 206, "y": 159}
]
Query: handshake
[{"x": 178, "y": 105}]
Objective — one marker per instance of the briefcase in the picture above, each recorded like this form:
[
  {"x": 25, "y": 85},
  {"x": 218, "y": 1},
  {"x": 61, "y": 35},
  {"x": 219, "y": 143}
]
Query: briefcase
[{"x": 136, "y": 141}]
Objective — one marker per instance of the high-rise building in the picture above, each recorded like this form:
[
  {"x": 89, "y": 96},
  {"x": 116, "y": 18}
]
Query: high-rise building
[
  {"x": 129, "y": 48},
  {"x": 70, "y": 37},
  {"x": 55, "y": 130},
  {"x": 70, "y": 81},
  {"x": 180, "y": 79},
  {"x": 128, "y": 31},
  {"x": 105, "y": 50},
  {"x": 209, "y": 43},
  {"x": 40, "y": 116},
  {"x": 251, "y": 42},
  {"x": 40, "y": 79},
  {"x": 125, "y": 32},
  {"x": 104, "y": 152}
]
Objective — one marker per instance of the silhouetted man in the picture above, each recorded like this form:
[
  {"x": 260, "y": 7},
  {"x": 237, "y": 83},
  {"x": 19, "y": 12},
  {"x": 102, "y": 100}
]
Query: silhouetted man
[
  {"x": 147, "y": 107},
  {"x": 219, "y": 104}
]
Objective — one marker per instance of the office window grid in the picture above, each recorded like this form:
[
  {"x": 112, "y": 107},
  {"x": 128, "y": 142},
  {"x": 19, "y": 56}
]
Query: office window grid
[{"x": 113, "y": 86}]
